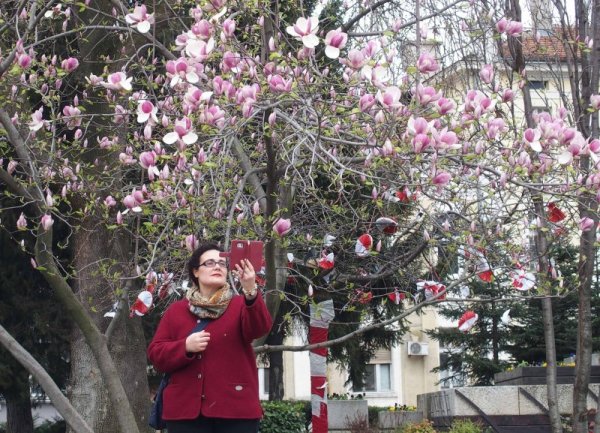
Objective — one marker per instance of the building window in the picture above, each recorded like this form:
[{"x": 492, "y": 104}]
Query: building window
[
  {"x": 377, "y": 379},
  {"x": 450, "y": 378},
  {"x": 263, "y": 382},
  {"x": 538, "y": 85}
]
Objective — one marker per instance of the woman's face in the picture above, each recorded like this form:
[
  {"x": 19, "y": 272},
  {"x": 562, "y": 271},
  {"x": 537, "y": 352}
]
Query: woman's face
[{"x": 211, "y": 277}]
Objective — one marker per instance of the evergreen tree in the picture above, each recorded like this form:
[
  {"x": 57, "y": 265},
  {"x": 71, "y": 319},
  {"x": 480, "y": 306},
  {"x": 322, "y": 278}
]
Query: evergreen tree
[
  {"x": 30, "y": 312},
  {"x": 481, "y": 352},
  {"x": 475, "y": 355}
]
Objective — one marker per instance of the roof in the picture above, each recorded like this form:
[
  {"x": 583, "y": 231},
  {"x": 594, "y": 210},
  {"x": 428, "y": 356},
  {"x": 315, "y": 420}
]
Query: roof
[{"x": 549, "y": 47}]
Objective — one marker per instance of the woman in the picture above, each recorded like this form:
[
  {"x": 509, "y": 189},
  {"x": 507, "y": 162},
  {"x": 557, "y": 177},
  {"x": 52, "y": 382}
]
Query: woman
[{"x": 213, "y": 385}]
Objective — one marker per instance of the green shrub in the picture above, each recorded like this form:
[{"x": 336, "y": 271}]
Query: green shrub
[
  {"x": 465, "y": 426},
  {"x": 374, "y": 414},
  {"x": 56, "y": 426},
  {"x": 283, "y": 416},
  {"x": 424, "y": 426}
]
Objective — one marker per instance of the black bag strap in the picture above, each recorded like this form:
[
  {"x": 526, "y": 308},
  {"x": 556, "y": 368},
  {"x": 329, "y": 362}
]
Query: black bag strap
[{"x": 200, "y": 325}]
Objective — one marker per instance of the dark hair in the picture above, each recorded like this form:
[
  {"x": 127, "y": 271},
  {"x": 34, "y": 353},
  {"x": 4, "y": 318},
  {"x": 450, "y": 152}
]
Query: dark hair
[{"x": 194, "y": 260}]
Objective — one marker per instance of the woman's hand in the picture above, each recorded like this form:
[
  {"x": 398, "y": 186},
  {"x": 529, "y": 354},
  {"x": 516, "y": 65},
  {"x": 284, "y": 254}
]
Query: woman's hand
[
  {"x": 247, "y": 277},
  {"x": 197, "y": 342}
]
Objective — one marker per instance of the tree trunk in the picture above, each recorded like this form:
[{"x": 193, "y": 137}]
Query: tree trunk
[
  {"x": 588, "y": 207},
  {"x": 551, "y": 365},
  {"x": 587, "y": 249},
  {"x": 88, "y": 392},
  {"x": 18, "y": 406},
  {"x": 127, "y": 345},
  {"x": 276, "y": 336}
]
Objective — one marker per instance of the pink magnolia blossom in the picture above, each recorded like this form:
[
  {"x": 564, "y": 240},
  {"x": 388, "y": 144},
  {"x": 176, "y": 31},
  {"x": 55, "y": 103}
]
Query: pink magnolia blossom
[
  {"x": 47, "y": 222},
  {"x": 487, "y": 74},
  {"x": 191, "y": 242},
  {"x": 335, "y": 40},
  {"x": 147, "y": 159},
  {"x": 420, "y": 142},
  {"x": 514, "y": 28},
  {"x": 184, "y": 132},
  {"x": 37, "y": 121},
  {"x": 223, "y": 87},
  {"x": 213, "y": 116},
  {"x": 417, "y": 126},
  {"x": 248, "y": 94},
  {"x": 140, "y": 19},
  {"x": 427, "y": 63},
  {"x": 477, "y": 103},
  {"x": 305, "y": 30},
  {"x": 377, "y": 76},
  {"x": 129, "y": 201},
  {"x": 427, "y": 94},
  {"x": 22, "y": 222},
  {"x": 49, "y": 199},
  {"x": 278, "y": 84},
  {"x": 180, "y": 70},
  {"x": 146, "y": 111},
  {"x": 72, "y": 116},
  {"x": 532, "y": 138},
  {"x": 282, "y": 226},
  {"x": 24, "y": 60},
  {"x": 201, "y": 157},
  {"x": 494, "y": 127},
  {"x": 203, "y": 29},
  {"x": 586, "y": 224},
  {"x": 390, "y": 98},
  {"x": 366, "y": 102},
  {"x": 118, "y": 81},
  {"x": 502, "y": 25},
  {"x": 595, "y": 102},
  {"x": 356, "y": 59},
  {"x": 194, "y": 97},
  {"x": 54, "y": 12},
  {"x": 445, "y": 106},
  {"x": 228, "y": 28},
  {"x": 70, "y": 64},
  {"x": 230, "y": 62},
  {"x": 198, "y": 49},
  {"x": 442, "y": 178},
  {"x": 94, "y": 80},
  {"x": 109, "y": 201},
  {"x": 445, "y": 139},
  {"x": 12, "y": 166},
  {"x": 507, "y": 95},
  {"x": 374, "y": 193},
  {"x": 388, "y": 148}
]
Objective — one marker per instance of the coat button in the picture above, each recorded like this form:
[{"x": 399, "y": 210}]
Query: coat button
[
  {"x": 239, "y": 387},
  {"x": 199, "y": 376},
  {"x": 199, "y": 356}
]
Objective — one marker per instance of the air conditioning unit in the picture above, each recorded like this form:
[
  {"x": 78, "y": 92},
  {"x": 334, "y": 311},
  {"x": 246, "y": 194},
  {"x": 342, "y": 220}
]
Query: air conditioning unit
[{"x": 416, "y": 348}]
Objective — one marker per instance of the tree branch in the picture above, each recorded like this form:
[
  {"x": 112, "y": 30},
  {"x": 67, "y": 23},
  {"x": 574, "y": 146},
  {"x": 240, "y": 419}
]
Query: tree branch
[{"x": 60, "y": 402}]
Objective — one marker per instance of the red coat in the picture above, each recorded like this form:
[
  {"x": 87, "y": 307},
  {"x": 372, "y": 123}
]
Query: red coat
[{"x": 221, "y": 381}]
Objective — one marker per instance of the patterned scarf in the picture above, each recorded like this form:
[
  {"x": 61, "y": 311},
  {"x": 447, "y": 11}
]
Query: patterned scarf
[{"x": 209, "y": 308}]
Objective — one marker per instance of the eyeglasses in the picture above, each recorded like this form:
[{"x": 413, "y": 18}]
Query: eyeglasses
[{"x": 210, "y": 263}]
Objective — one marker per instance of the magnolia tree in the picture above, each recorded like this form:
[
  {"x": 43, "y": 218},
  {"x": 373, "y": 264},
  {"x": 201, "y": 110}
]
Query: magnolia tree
[{"x": 146, "y": 130}]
